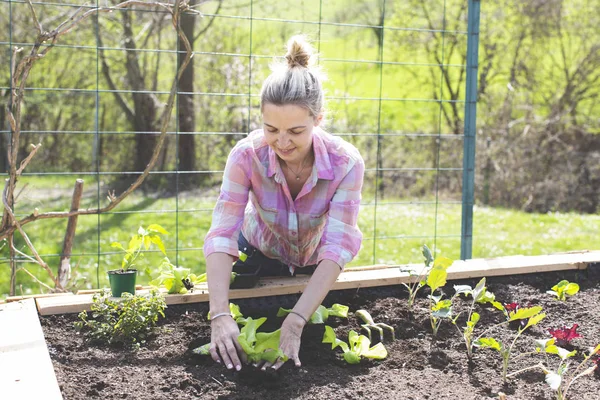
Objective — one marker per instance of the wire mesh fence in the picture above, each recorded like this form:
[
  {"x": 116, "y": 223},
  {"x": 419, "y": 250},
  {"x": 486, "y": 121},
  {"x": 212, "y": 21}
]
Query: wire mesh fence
[{"x": 396, "y": 87}]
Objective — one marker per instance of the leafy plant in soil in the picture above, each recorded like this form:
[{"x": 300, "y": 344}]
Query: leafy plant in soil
[
  {"x": 369, "y": 324},
  {"x": 563, "y": 336},
  {"x": 322, "y": 314},
  {"x": 440, "y": 308},
  {"x": 261, "y": 346},
  {"x": 563, "y": 289},
  {"x": 126, "y": 321},
  {"x": 415, "y": 285},
  {"x": 143, "y": 239},
  {"x": 534, "y": 316},
  {"x": 559, "y": 379},
  {"x": 177, "y": 280},
  {"x": 358, "y": 346},
  {"x": 479, "y": 295}
]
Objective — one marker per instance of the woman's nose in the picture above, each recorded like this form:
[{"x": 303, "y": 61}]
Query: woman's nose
[{"x": 283, "y": 140}]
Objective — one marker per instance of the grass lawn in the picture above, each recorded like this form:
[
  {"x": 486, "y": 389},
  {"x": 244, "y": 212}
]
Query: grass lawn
[{"x": 401, "y": 228}]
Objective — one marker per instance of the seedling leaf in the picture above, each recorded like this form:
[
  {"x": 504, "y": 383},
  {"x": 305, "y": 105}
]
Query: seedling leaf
[
  {"x": 554, "y": 380},
  {"x": 524, "y": 313},
  {"x": 490, "y": 343}
]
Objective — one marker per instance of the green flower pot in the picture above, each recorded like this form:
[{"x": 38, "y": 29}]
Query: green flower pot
[{"x": 122, "y": 281}]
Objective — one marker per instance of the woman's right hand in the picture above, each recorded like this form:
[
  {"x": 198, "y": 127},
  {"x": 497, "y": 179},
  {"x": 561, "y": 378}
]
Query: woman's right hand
[{"x": 224, "y": 343}]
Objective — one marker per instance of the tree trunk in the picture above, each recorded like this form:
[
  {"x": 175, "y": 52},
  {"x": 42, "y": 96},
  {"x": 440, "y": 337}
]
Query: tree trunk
[{"x": 186, "y": 113}]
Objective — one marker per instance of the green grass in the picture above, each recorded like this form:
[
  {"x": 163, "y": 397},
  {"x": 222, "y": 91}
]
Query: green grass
[{"x": 401, "y": 230}]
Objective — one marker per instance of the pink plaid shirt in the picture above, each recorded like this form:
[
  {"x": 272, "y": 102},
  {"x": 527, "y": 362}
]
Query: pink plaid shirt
[{"x": 320, "y": 224}]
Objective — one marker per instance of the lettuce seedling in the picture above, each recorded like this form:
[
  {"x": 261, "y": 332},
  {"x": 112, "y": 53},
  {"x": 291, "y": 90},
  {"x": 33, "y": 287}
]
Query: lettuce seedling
[
  {"x": 322, "y": 313},
  {"x": 436, "y": 279},
  {"x": 564, "y": 288},
  {"x": 358, "y": 346},
  {"x": 480, "y": 295},
  {"x": 261, "y": 346},
  {"x": 534, "y": 316},
  {"x": 177, "y": 280},
  {"x": 369, "y": 324},
  {"x": 564, "y": 335}
]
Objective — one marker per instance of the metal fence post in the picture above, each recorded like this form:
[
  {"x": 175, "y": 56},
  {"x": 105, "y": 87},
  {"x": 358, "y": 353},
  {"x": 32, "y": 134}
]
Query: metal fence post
[{"x": 468, "y": 189}]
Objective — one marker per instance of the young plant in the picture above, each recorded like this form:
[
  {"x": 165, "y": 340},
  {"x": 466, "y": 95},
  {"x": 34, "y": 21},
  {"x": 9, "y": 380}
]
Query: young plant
[
  {"x": 564, "y": 335},
  {"x": 534, "y": 316},
  {"x": 261, "y": 346},
  {"x": 559, "y": 379},
  {"x": 479, "y": 295},
  {"x": 322, "y": 314},
  {"x": 440, "y": 308},
  {"x": 416, "y": 284},
  {"x": 358, "y": 346},
  {"x": 143, "y": 239},
  {"x": 369, "y": 324},
  {"x": 128, "y": 321},
  {"x": 563, "y": 289},
  {"x": 177, "y": 280}
]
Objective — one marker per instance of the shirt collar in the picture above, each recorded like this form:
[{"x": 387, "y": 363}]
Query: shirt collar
[{"x": 322, "y": 161}]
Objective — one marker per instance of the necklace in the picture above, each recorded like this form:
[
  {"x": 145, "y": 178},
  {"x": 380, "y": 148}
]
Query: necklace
[{"x": 301, "y": 169}]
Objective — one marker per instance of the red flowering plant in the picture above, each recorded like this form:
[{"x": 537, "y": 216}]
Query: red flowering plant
[{"x": 564, "y": 335}]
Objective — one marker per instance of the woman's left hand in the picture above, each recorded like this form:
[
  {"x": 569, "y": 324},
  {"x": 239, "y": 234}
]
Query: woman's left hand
[{"x": 289, "y": 342}]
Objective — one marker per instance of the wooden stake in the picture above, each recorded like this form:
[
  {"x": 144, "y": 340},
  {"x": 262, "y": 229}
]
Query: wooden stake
[{"x": 64, "y": 268}]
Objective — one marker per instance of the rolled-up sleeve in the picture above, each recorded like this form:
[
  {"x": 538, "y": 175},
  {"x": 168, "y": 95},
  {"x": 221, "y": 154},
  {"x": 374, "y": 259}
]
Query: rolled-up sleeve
[
  {"x": 342, "y": 238},
  {"x": 228, "y": 214}
]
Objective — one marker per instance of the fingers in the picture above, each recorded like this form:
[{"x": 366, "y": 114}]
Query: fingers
[{"x": 240, "y": 351}]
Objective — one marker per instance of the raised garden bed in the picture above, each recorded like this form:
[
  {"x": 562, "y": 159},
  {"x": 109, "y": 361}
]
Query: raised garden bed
[{"x": 418, "y": 366}]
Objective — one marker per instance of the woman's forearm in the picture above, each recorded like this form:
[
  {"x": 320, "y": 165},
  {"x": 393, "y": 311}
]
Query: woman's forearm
[
  {"x": 218, "y": 273},
  {"x": 319, "y": 285}
]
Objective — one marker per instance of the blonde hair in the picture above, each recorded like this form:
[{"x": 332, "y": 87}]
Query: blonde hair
[{"x": 296, "y": 81}]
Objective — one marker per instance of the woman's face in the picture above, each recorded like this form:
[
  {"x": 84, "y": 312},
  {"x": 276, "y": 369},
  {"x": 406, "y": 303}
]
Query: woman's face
[{"x": 288, "y": 131}]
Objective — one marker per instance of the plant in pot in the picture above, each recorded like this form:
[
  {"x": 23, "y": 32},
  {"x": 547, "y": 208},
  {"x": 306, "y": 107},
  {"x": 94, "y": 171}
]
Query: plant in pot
[{"x": 123, "y": 280}]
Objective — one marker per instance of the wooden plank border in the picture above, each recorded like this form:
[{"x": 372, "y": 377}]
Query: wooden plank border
[
  {"x": 26, "y": 371},
  {"x": 360, "y": 277}
]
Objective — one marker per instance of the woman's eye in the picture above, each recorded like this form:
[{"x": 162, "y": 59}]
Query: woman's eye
[
  {"x": 296, "y": 132},
  {"x": 272, "y": 130}
]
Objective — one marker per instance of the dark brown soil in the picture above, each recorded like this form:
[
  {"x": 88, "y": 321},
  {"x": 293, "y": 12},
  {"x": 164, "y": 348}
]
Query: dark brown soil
[{"x": 418, "y": 366}]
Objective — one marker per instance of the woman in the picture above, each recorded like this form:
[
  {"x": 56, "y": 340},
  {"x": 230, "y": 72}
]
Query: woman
[{"x": 290, "y": 196}]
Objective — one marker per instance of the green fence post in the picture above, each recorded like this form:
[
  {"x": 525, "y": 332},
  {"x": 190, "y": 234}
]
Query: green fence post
[{"x": 468, "y": 190}]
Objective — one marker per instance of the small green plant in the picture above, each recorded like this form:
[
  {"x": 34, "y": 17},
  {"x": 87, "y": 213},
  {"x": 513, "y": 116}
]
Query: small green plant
[
  {"x": 369, "y": 324},
  {"x": 440, "y": 308},
  {"x": 358, "y": 346},
  {"x": 261, "y": 346},
  {"x": 143, "y": 239},
  {"x": 479, "y": 295},
  {"x": 559, "y": 379},
  {"x": 563, "y": 289},
  {"x": 177, "y": 280},
  {"x": 534, "y": 316},
  {"x": 416, "y": 284},
  {"x": 128, "y": 321},
  {"x": 322, "y": 314}
]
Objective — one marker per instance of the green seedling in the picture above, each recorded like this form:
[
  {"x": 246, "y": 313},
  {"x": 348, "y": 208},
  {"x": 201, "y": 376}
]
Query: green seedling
[
  {"x": 358, "y": 346},
  {"x": 177, "y": 280},
  {"x": 322, "y": 314},
  {"x": 261, "y": 346},
  {"x": 563, "y": 289},
  {"x": 479, "y": 295},
  {"x": 559, "y": 379},
  {"x": 419, "y": 279},
  {"x": 440, "y": 308},
  {"x": 369, "y": 324},
  {"x": 143, "y": 239},
  {"x": 533, "y": 316}
]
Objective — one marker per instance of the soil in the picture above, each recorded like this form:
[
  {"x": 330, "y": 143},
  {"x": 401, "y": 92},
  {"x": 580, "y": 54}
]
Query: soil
[{"x": 419, "y": 366}]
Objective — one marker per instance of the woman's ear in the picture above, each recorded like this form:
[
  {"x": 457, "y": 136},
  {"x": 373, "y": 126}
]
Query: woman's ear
[{"x": 318, "y": 119}]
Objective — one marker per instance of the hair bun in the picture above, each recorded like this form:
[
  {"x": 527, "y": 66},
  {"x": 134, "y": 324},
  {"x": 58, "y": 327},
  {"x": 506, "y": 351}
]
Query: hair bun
[{"x": 299, "y": 52}]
